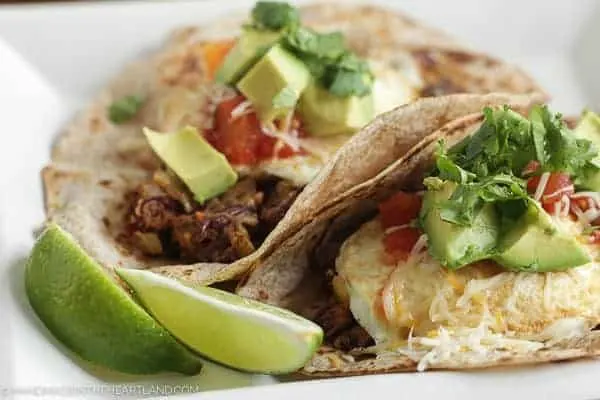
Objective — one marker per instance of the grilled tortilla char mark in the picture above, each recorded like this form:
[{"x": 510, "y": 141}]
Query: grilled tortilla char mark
[{"x": 162, "y": 220}]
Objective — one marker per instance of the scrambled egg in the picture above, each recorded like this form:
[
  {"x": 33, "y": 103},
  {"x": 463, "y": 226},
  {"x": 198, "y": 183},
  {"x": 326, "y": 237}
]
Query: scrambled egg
[{"x": 420, "y": 298}]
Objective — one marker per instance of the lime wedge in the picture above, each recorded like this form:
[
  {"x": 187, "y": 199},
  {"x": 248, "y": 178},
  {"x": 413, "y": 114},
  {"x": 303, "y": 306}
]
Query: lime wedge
[
  {"x": 226, "y": 328},
  {"x": 92, "y": 316}
]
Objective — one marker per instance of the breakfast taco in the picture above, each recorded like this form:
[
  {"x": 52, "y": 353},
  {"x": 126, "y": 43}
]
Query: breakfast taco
[
  {"x": 476, "y": 248},
  {"x": 192, "y": 157}
]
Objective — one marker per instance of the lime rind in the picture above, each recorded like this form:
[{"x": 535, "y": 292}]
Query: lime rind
[
  {"x": 92, "y": 316},
  {"x": 240, "y": 333}
]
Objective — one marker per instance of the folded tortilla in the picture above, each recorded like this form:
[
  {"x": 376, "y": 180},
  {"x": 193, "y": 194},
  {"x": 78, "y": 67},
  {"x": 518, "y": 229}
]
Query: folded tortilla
[
  {"x": 95, "y": 163},
  {"x": 293, "y": 273}
]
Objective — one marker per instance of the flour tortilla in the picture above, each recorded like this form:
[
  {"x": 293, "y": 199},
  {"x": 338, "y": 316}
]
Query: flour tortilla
[
  {"x": 95, "y": 163},
  {"x": 289, "y": 277}
]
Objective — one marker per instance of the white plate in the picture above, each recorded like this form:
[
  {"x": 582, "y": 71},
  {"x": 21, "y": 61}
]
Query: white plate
[{"x": 52, "y": 58}]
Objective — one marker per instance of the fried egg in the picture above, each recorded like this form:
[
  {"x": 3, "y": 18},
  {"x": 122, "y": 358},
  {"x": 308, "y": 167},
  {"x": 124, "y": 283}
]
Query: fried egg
[{"x": 418, "y": 298}]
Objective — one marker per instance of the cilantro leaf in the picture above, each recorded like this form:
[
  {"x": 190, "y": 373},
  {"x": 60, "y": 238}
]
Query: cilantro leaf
[
  {"x": 487, "y": 165},
  {"x": 286, "y": 98},
  {"x": 344, "y": 83},
  {"x": 501, "y": 144},
  {"x": 328, "y": 59},
  {"x": 337, "y": 69},
  {"x": 468, "y": 198},
  {"x": 274, "y": 16},
  {"x": 448, "y": 170},
  {"x": 124, "y": 109},
  {"x": 308, "y": 43},
  {"x": 349, "y": 76},
  {"x": 473, "y": 191},
  {"x": 564, "y": 152}
]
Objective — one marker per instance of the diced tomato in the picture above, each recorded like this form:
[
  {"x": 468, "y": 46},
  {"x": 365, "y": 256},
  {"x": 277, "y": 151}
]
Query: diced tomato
[
  {"x": 241, "y": 139},
  {"x": 214, "y": 55},
  {"x": 559, "y": 184},
  {"x": 399, "y": 209},
  {"x": 400, "y": 242},
  {"x": 237, "y": 138}
]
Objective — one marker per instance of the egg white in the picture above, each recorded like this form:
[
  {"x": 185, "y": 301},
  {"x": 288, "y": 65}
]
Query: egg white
[{"x": 423, "y": 297}]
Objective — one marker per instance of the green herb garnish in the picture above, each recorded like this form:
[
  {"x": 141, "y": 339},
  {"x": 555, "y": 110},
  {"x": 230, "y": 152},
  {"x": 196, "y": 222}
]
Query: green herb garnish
[
  {"x": 488, "y": 165},
  {"x": 330, "y": 62},
  {"x": 308, "y": 43},
  {"x": 349, "y": 76},
  {"x": 274, "y": 16},
  {"x": 124, "y": 109}
]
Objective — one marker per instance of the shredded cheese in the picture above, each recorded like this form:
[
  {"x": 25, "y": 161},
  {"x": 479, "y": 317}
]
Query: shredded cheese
[
  {"x": 244, "y": 108},
  {"x": 287, "y": 122},
  {"x": 541, "y": 186},
  {"x": 592, "y": 195},
  {"x": 468, "y": 344},
  {"x": 578, "y": 211},
  {"x": 419, "y": 245},
  {"x": 289, "y": 138},
  {"x": 558, "y": 192},
  {"x": 392, "y": 229}
]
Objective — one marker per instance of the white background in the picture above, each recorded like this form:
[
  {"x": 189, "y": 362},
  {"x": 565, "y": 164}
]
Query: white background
[{"x": 52, "y": 58}]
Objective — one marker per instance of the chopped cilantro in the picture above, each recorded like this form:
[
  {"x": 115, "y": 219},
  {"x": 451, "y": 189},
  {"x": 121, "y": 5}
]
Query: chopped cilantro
[
  {"x": 272, "y": 15},
  {"x": 124, "y": 109},
  {"x": 330, "y": 62},
  {"x": 349, "y": 76},
  {"x": 563, "y": 152},
  {"x": 449, "y": 170},
  {"x": 472, "y": 190},
  {"x": 308, "y": 43},
  {"x": 488, "y": 165}
]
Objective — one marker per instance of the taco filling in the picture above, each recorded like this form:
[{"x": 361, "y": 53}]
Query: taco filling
[
  {"x": 282, "y": 98},
  {"x": 498, "y": 252}
]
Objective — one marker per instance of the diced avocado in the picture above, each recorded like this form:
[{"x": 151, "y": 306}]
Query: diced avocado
[
  {"x": 250, "y": 46},
  {"x": 455, "y": 246},
  {"x": 589, "y": 128},
  {"x": 203, "y": 169},
  {"x": 325, "y": 114},
  {"x": 537, "y": 244},
  {"x": 274, "y": 84}
]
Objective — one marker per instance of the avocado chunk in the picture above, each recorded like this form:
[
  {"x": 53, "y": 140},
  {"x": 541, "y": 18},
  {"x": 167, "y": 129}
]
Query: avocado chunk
[
  {"x": 325, "y": 114},
  {"x": 455, "y": 246},
  {"x": 203, "y": 169},
  {"x": 248, "y": 49},
  {"x": 589, "y": 128},
  {"x": 536, "y": 244},
  {"x": 274, "y": 84}
]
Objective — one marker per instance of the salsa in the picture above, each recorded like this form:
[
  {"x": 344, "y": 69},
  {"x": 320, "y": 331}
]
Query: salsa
[{"x": 396, "y": 215}]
